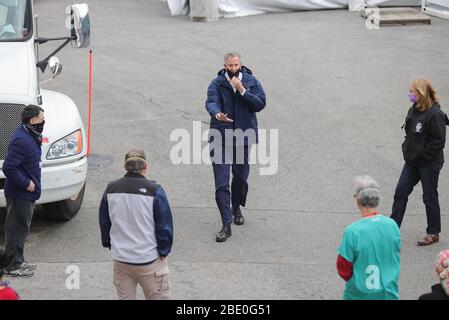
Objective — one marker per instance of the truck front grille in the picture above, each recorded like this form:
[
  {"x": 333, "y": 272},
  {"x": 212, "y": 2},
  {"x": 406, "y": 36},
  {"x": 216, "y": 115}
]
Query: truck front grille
[{"x": 10, "y": 119}]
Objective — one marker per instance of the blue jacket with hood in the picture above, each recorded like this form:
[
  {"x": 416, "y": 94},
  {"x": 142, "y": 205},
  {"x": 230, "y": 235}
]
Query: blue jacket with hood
[
  {"x": 21, "y": 165},
  {"x": 242, "y": 109}
]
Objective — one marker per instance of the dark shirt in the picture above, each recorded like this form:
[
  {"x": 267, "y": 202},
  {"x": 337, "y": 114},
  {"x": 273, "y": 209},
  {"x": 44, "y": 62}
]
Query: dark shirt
[{"x": 437, "y": 293}]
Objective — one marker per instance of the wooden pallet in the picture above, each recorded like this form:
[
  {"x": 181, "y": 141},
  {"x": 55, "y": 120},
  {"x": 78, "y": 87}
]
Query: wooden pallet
[{"x": 382, "y": 17}]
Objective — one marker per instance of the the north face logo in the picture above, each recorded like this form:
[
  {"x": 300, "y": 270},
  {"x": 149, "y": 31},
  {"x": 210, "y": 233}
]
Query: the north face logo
[{"x": 143, "y": 190}]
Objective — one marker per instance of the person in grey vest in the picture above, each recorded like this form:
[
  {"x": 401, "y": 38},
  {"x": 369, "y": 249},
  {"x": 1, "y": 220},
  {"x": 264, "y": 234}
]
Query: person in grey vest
[{"x": 137, "y": 226}]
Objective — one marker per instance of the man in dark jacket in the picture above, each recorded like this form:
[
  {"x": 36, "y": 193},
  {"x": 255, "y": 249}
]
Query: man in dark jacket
[
  {"x": 233, "y": 98},
  {"x": 22, "y": 187},
  {"x": 137, "y": 226}
]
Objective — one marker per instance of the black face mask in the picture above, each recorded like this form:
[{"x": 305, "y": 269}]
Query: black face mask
[
  {"x": 233, "y": 74},
  {"x": 38, "y": 127}
]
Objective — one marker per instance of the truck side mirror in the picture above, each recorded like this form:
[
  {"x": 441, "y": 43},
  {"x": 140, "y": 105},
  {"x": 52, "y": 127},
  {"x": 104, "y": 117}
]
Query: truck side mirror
[
  {"x": 80, "y": 25},
  {"x": 55, "y": 66}
]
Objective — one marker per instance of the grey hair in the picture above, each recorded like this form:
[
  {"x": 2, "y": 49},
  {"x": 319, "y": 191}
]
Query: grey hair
[
  {"x": 231, "y": 54},
  {"x": 135, "y": 161},
  {"x": 367, "y": 191}
]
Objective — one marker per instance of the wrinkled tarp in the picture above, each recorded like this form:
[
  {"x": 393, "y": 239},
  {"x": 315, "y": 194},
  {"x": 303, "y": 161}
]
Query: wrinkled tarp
[
  {"x": 178, "y": 7},
  {"x": 239, "y": 8},
  {"x": 359, "y": 4},
  {"x": 442, "y": 3}
]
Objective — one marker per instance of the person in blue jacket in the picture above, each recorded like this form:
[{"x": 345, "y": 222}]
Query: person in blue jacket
[
  {"x": 233, "y": 98},
  {"x": 22, "y": 187}
]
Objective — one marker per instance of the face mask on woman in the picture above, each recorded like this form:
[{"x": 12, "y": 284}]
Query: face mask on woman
[{"x": 412, "y": 97}]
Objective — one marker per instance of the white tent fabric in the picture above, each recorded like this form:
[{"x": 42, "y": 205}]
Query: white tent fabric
[
  {"x": 359, "y": 4},
  {"x": 392, "y": 3},
  {"x": 178, "y": 7},
  {"x": 442, "y": 3},
  {"x": 238, "y": 8}
]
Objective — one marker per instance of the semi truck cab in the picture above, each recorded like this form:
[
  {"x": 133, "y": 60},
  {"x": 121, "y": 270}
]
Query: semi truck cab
[{"x": 64, "y": 160}]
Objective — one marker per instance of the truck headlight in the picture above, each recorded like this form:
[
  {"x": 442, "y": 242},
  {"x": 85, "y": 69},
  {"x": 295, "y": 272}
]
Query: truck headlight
[{"x": 68, "y": 146}]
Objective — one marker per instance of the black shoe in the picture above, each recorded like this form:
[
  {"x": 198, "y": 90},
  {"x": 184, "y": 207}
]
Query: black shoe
[
  {"x": 238, "y": 217},
  {"x": 224, "y": 233}
]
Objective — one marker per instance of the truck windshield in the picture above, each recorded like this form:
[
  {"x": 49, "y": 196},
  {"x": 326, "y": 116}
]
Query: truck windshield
[{"x": 15, "y": 20}]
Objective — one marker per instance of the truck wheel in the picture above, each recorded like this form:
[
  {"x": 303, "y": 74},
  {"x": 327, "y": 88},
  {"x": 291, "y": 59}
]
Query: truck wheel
[{"x": 64, "y": 210}]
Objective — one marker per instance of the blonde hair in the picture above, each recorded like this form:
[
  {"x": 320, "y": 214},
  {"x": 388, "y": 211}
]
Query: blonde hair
[{"x": 427, "y": 95}]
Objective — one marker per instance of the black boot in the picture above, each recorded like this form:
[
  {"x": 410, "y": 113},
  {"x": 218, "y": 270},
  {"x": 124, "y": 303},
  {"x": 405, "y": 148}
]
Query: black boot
[
  {"x": 238, "y": 217},
  {"x": 224, "y": 233}
]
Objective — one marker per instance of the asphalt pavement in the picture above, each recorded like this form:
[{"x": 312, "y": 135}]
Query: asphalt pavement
[{"x": 336, "y": 93}]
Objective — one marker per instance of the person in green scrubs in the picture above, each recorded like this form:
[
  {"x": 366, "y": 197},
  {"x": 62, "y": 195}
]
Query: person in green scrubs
[{"x": 369, "y": 254}]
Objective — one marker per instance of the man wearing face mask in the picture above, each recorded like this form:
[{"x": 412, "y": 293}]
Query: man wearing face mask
[
  {"x": 233, "y": 98},
  {"x": 22, "y": 187}
]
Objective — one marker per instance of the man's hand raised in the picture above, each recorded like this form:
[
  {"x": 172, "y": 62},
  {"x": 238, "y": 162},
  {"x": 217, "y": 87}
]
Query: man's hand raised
[
  {"x": 223, "y": 117},
  {"x": 237, "y": 84}
]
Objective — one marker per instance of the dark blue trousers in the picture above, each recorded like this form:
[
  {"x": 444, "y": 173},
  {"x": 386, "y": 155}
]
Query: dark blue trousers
[
  {"x": 17, "y": 227},
  {"x": 410, "y": 176},
  {"x": 237, "y": 158}
]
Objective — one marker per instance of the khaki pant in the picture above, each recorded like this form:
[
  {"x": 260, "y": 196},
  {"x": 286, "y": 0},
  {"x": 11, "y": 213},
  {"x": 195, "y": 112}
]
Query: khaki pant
[{"x": 153, "y": 279}]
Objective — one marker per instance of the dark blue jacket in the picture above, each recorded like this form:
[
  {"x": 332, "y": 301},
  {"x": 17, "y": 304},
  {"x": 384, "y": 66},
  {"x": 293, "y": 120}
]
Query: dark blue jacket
[
  {"x": 241, "y": 109},
  {"x": 21, "y": 165}
]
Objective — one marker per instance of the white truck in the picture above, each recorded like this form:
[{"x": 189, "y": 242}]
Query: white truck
[{"x": 64, "y": 161}]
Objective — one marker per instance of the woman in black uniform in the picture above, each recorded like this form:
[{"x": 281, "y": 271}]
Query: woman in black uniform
[{"x": 425, "y": 129}]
